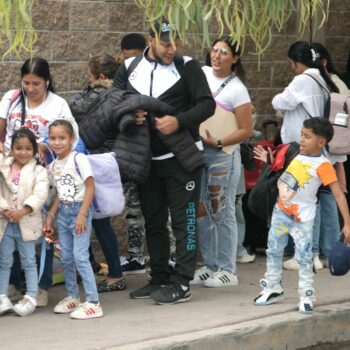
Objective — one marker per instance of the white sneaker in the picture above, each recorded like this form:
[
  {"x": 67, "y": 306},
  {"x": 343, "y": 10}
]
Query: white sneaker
[
  {"x": 13, "y": 293},
  {"x": 201, "y": 275},
  {"x": 221, "y": 279},
  {"x": 325, "y": 262},
  {"x": 5, "y": 304},
  {"x": 66, "y": 306},
  {"x": 26, "y": 306},
  {"x": 246, "y": 258},
  {"x": 271, "y": 293},
  {"x": 317, "y": 263},
  {"x": 306, "y": 305},
  {"x": 42, "y": 298},
  {"x": 86, "y": 311},
  {"x": 291, "y": 264}
]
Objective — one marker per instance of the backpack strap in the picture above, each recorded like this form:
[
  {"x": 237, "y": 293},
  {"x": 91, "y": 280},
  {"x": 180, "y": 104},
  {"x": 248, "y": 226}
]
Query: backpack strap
[
  {"x": 134, "y": 64},
  {"x": 94, "y": 201},
  {"x": 319, "y": 82}
]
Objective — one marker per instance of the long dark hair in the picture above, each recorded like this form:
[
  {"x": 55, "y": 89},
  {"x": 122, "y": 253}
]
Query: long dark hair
[
  {"x": 37, "y": 66},
  {"x": 237, "y": 67},
  {"x": 325, "y": 55},
  {"x": 303, "y": 52}
]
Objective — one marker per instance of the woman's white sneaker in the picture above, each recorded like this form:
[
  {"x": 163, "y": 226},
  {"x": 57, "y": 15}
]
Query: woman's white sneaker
[
  {"x": 221, "y": 279},
  {"x": 26, "y": 306},
  {"x": 66, "y": 306},
  {"x": 291, "y": 264},
  {"x": 5, "y": 304},
  {"x": 87, "y": 311},
  {"x": 201, "y": 275},
  {"x": 317, "y": 263}
]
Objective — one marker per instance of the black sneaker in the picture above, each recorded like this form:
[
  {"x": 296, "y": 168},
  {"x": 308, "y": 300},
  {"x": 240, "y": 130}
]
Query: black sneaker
[
  {"x": 171, "y": 294},
  {"x": 144, "y": 292},
  {"x": 132, "y": 267}
]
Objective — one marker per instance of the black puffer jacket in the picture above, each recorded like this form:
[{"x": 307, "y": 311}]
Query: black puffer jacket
[{"x": 113, "y": 111}]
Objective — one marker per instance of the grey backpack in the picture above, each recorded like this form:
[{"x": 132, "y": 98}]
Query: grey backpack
[{"x": 337, "y": 110}]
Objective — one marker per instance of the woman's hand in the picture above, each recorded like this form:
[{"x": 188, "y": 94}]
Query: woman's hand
[
  {"x": 140, "y": 116},
  {"x": 262, "y": 154},
  {"x": 16, "y": 215},
  {"x": 210, "y": 140}
]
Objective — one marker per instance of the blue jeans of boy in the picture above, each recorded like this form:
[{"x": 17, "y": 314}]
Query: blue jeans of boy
[
  {"x": 75, "y": 252},
  {"x": 13, "y": 238},
  {"x": 301, "y": 232},
  {"x": 218, "y": 228},
  {"x": 326, "y": 227}
]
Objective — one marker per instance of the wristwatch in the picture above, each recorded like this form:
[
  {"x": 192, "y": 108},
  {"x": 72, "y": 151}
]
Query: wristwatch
[{"x": 219, "y": 145}]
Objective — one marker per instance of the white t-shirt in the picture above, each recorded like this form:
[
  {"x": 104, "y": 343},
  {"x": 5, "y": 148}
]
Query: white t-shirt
[
  {"x": 298, "y": 185},
  {"x": 233, "y": 95},
  {"x": 37, "y": 119},
  {"x": 301, "y": 98},
  {"x": 69, "y": 184}
]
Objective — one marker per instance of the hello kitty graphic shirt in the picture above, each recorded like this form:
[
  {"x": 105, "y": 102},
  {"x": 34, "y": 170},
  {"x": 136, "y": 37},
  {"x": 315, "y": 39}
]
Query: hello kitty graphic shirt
[{"x": 69, "y": 184}]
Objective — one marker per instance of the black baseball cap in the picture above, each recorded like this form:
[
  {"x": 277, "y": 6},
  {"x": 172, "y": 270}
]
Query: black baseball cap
[{"x": 163, "y": 28}]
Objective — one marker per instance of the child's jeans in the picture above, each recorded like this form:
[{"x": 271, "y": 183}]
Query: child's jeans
[
  {"x": 281, "y": 225},
  {"x": 75, "y": 251},
  {"x": 13, "y": 238}
]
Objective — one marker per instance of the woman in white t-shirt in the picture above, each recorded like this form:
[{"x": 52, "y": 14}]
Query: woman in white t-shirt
[
  {"x": 217, "y": 225},
  {"x": 34, "y": 105}
]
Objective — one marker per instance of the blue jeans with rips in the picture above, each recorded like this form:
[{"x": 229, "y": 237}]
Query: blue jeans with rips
[
  {"x": 326, "y": 227},
  {"x": 13, "y": 238},
  {"x": 301, "y": 232},
  {"x": 75, "y": 252},
  {"x": 218, "y": 227}
]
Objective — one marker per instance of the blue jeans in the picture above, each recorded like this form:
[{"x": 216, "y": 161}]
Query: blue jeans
[
  {"x": 109, "y": 244},
  {"x": 326, "y": 227},
  {"x": 75, "y": 252},
  {"x": 282, "y": 225},
  {"x": 218, "y": 228},
  {"x": 13, "y": 238}
]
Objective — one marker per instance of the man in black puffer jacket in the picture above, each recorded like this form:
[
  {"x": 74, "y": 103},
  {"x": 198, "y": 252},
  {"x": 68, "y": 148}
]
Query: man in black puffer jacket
[{"x": 180, "y": 82}]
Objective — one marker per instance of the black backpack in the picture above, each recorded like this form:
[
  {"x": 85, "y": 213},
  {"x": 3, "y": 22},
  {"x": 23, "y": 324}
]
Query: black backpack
[{"x": 263, "y": 196}]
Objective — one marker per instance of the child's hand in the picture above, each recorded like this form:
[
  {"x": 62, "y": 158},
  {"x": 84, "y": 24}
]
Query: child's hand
[
  {"x": 47, "y": 226},
  {"x": 80, "y": 224},
  {"x": 16, "y": 215},
  {"x": 346, "y": 232},
  {"x": 6, "y": 214},
  {"x": 262, "y": 154}
]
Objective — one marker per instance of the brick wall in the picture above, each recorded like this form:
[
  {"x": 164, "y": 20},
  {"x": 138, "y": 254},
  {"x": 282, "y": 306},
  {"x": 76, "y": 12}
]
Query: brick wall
[{"x": 70, "y": 31}]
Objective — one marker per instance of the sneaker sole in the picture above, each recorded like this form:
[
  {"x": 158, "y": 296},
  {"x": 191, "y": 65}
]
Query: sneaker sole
[
  {"x": 98, "y": 315},
  {"x": 19, "y": 313},
  {"x": 268, "y": 302},
  {"x": 5, "y": 311},
  {"x": 228, "y": 284},
  {"x": 144, "y": 297},
  {"x": 183, "y": 300},
  {"x": 135, "y": 272},
  {"x": 197, "y": 283}
]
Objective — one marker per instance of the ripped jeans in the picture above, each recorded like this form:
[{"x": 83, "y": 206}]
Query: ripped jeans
[
  {"x": 301, "y": 232},
  {"x": 216, "y": 219}
]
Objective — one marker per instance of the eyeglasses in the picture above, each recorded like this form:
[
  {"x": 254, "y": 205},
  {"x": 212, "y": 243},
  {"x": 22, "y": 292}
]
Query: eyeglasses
[{"x": 223, "y": 51}]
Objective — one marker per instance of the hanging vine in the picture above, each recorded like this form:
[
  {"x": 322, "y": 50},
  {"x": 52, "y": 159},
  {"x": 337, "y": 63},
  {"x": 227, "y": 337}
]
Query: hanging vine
[
  {"x": 239, "y": 19},
  {"x": 16, "y": 26}
]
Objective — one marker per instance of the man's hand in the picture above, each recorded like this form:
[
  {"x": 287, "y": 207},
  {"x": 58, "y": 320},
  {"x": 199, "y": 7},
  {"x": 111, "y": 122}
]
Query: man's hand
[
  {"x": 140, "y": 116},
  {"x": 167, "y": 125}
]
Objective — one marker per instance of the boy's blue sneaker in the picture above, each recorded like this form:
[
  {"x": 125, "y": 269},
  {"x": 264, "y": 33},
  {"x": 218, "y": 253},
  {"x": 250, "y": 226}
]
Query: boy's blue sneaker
[{"x": 271, "y": 293}]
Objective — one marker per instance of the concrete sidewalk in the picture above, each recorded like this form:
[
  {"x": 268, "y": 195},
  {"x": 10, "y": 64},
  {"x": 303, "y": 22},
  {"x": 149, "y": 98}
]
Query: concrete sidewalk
[{"x": 216, "y": 318}]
